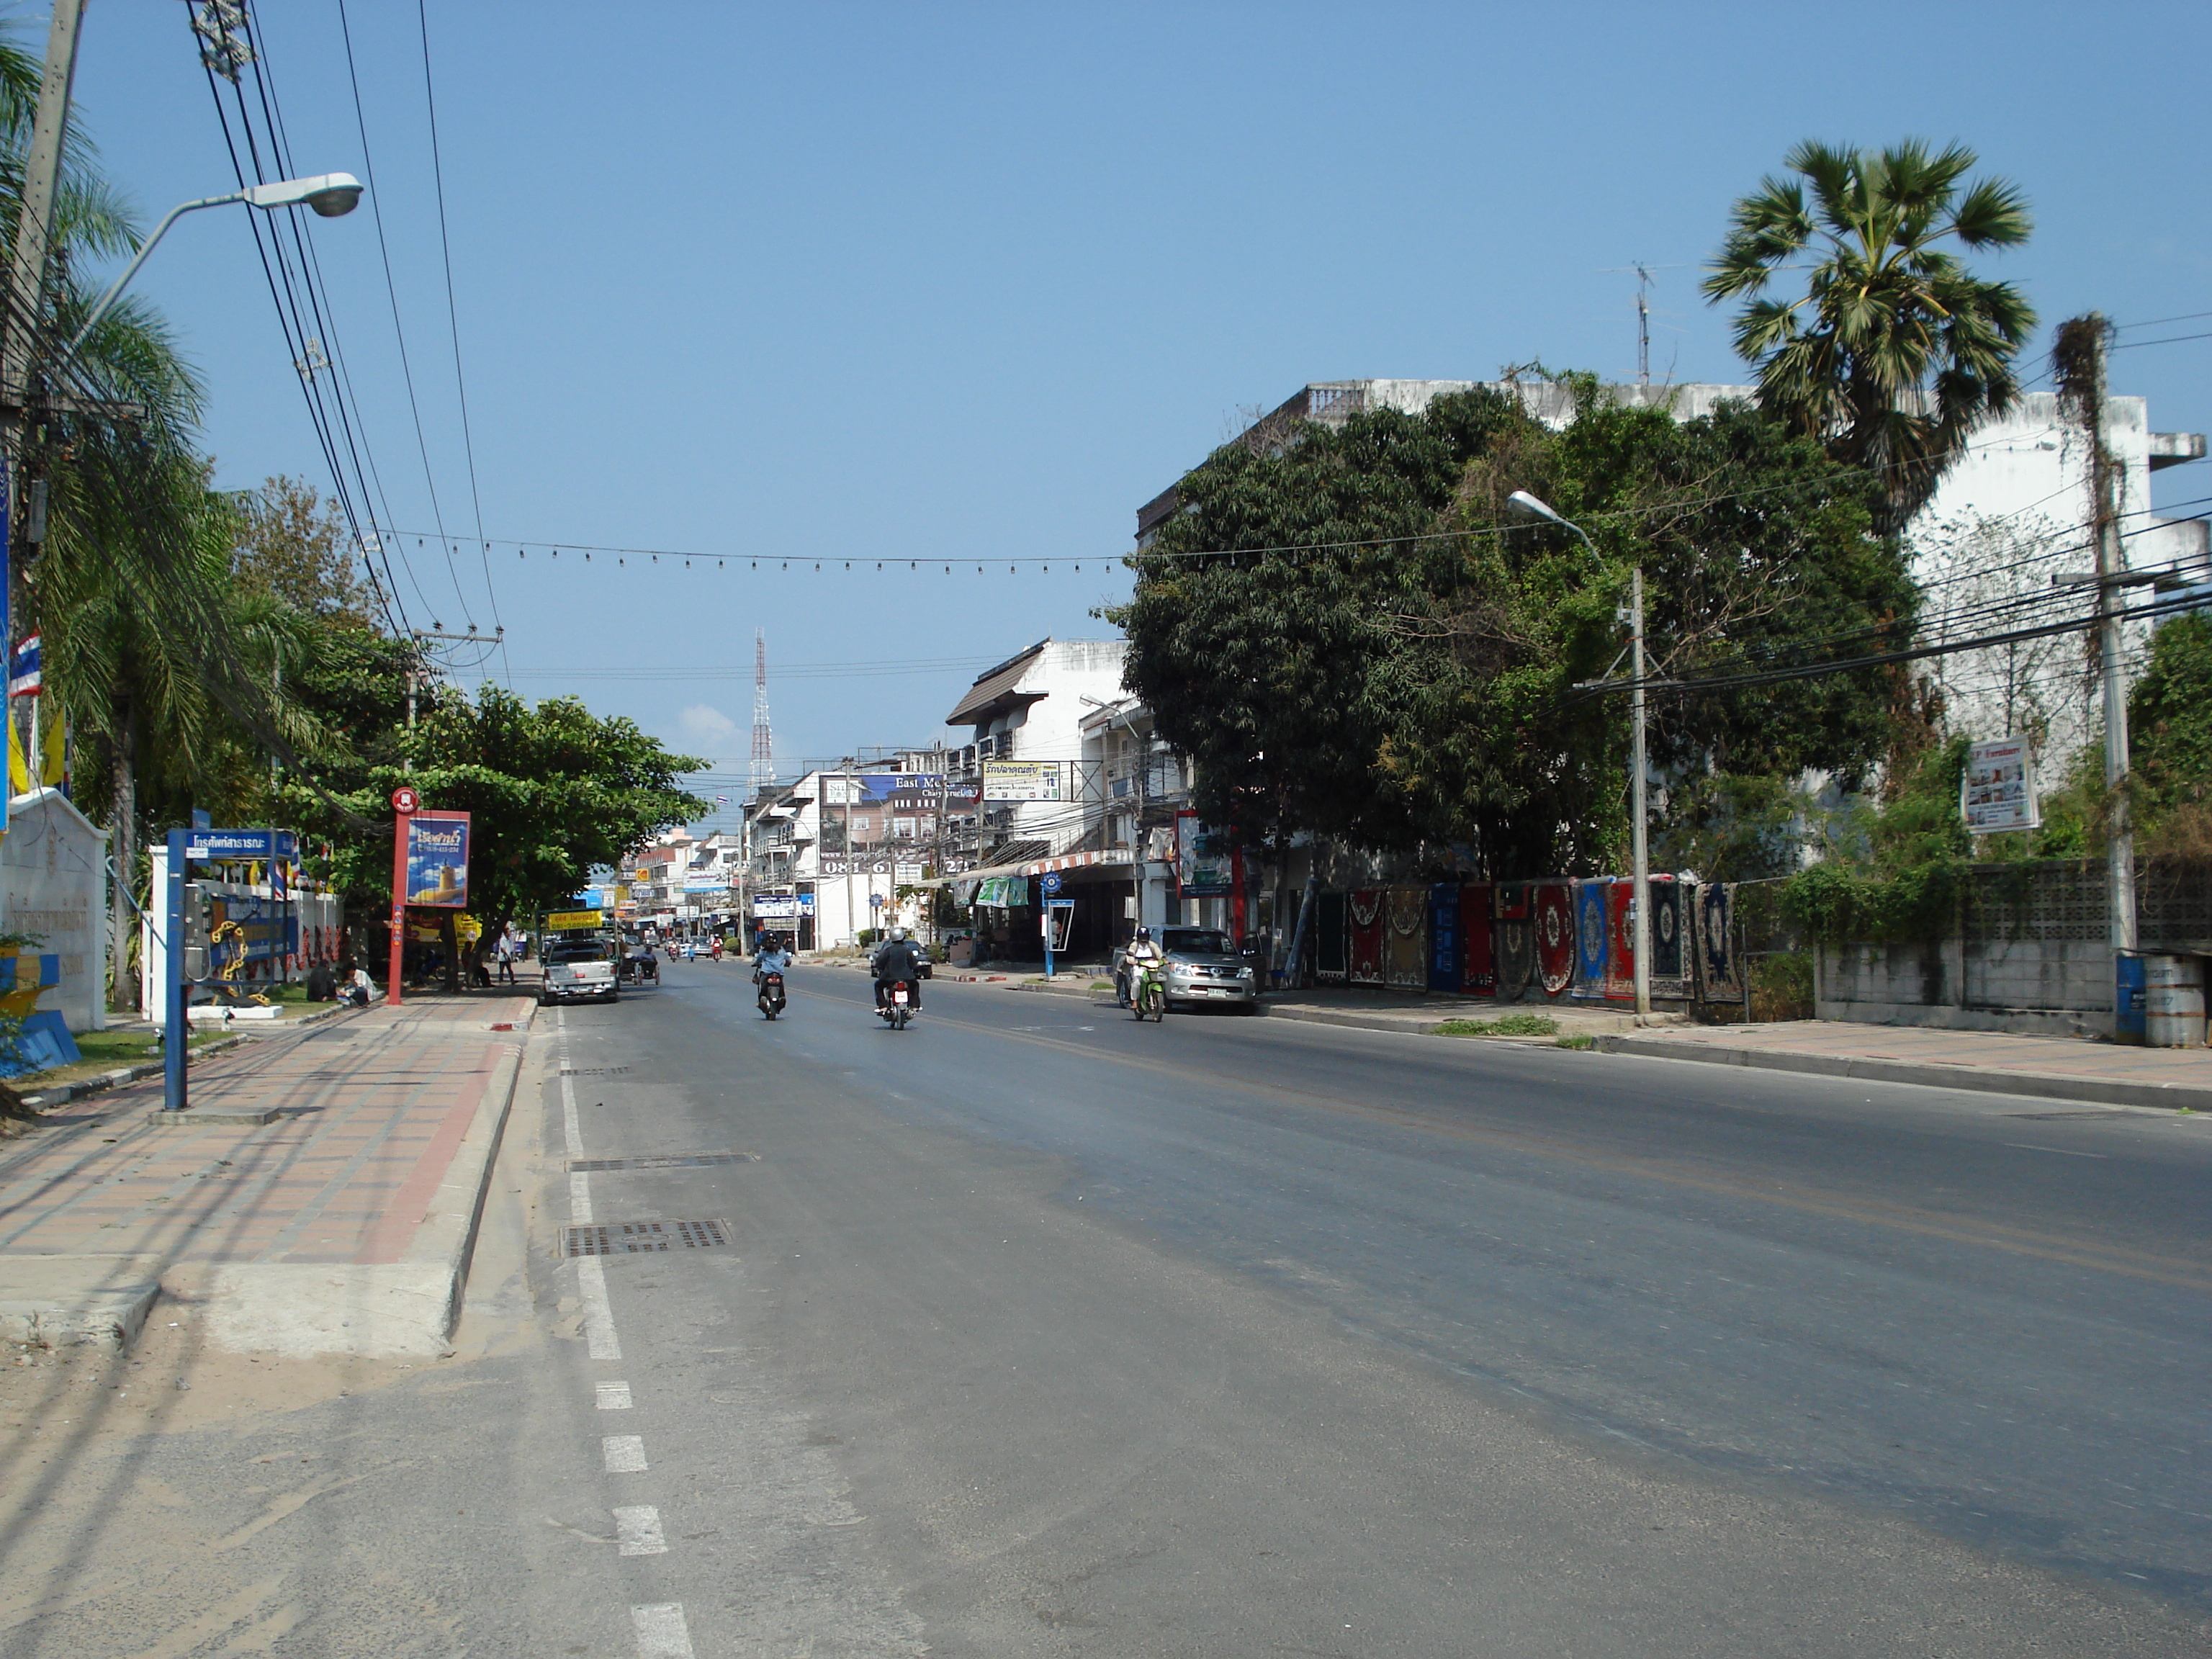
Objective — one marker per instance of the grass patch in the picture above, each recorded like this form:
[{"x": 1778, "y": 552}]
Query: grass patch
[
  {"x": 1584, "y": 1041},
  {"x": 104, "y": 1052},
  {"x": 1506, "y": 1025},
  {"x": 1102, "y": 984}
]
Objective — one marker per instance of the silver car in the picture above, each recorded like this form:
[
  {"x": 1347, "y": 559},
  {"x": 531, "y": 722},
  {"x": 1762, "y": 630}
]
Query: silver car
[{"x": 1203, "y": 966}]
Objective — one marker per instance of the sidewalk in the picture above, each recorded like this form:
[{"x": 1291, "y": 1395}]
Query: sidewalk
[
  {"x": 2055, "y": 1068},
  {"x": 342, "y": 1226}
]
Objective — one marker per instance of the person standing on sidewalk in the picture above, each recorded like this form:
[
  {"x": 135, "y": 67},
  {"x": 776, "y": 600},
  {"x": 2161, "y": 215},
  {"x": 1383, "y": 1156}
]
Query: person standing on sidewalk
[{"x": 506, "y": 956}]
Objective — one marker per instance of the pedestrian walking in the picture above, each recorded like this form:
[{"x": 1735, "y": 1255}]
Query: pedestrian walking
[{"x": 505, "y": 956}]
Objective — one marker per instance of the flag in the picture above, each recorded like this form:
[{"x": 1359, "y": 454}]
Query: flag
[
  {"x": 721, "y": 800},
  {"x": 19, "y": 767},
  {"x": 53, "y": 751},
  {"x": 24, "y": 669}
]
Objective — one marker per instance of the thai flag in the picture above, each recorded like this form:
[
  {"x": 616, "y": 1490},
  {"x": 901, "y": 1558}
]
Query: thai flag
[
  {"x": 23, "y": 670},
  {"x": 721, "y": 800}
]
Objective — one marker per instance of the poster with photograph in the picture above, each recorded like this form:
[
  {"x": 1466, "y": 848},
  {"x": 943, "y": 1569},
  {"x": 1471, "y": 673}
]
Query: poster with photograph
[
  {"x": 1202, "y": 866},
  {"x": 1998, "y": 790},
  {"x": 438, "y": 860}
]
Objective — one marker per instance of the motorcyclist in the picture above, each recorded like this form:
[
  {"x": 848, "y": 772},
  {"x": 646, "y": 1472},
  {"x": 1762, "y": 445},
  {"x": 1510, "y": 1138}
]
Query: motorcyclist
[
  {"x": 1144, "y": 953},
  {"x": 772, "y": 959},
  {"x": 898, "y": 960}
]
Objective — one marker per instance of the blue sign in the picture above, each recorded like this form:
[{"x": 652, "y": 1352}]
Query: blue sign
[
  {"x": 209, "y": 846},
  {"x": 1051, "y": 883}
]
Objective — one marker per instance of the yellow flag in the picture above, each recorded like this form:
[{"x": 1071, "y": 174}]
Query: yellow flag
[
  {"x": 18, "y": 771},
  {"x": 53, "y": 743}
]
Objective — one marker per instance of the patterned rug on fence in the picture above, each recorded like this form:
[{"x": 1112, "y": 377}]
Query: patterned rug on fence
[
  {"x": 1720, "y": 977},
  {"x": 1555, "y": 937},
  {"x": 1478, "y": 975},
  {"x": 1328, "y": 938},
  {"x": 1619, "y": 941},
  {"x": 1406, "y": 940},
  {"x": 1446, "y": 952},
  {"x": 1670, "y": 975},
  {"x": 1590, "y": 938},
  {"x": 1366, "y": 932},
  {"x": 1515, "y": 940}
]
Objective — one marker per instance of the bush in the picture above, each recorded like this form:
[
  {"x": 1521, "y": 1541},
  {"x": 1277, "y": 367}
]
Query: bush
[{"x": 1782, "y": 986}]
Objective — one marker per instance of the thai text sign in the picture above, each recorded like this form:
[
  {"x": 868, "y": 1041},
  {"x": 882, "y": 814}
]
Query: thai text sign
[
  {"x": 437, "y": 858},
  {"x": 1996, "y": 791},
  {"x": 1023, "y": 779},
  {"x": 573, "y": 921}
]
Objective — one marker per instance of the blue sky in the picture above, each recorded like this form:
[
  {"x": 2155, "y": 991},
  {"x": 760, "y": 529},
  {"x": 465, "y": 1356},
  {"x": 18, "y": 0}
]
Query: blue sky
[{"x": 958, "y": 284}]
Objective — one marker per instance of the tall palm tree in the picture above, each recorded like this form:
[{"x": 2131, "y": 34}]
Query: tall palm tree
[{"x": 1895, "y": 351}]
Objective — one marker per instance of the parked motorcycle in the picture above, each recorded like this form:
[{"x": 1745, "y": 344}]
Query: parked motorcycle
[
  {"x": 771, "y": 993},
  {"x": 898, "y": 1010}
]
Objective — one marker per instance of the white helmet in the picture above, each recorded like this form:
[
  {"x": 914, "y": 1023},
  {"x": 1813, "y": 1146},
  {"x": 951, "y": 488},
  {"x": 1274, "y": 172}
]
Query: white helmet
[{"x": 897, "y": 933}]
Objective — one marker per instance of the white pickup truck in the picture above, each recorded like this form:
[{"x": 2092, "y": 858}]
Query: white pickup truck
[{"x": 579, "y": 968}]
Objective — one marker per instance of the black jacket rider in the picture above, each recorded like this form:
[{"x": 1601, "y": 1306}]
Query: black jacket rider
[{"x": 897, "y": 960}]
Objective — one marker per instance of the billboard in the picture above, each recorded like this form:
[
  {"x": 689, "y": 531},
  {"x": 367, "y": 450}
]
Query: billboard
[
  {"x": 1023, "y": 779},
  {"x": 1997, "y": 791},
  {"x": 572, "y": 921},
  {"x": 1201, "y": 858},
  {"x": 437, "y": 858}
]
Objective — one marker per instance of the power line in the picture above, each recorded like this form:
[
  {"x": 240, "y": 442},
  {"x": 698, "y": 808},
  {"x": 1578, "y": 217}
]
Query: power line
[{"x": 453, "y": 316}]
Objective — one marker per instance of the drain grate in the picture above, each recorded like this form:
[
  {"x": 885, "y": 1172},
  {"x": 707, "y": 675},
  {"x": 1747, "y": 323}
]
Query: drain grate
[
  {"x": 637, "y": 1237},
  {"x": 2046, "y": 1117},
  {"x": 593, "y": 1071},
  {"x": 693, "y": 1161}
]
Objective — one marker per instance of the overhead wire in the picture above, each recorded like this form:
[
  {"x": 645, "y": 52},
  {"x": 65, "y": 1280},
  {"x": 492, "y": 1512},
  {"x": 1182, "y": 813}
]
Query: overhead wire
[
  {"x": 453, "y": 321},
  {"x": 391, "y": 291},
  {"x": 394, "y": 603}
]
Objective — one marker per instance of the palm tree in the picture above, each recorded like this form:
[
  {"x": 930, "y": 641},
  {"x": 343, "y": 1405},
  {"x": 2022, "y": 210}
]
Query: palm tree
[{"x": 1896, "y": 351}]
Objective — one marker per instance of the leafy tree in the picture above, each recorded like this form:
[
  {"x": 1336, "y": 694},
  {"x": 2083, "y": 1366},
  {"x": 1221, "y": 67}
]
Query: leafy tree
[
  {"x": 553, "y": 791},
  {"x": 1895, "y": 351},
  {"x": 292, "y": 546},
  {"x": 1348, "y": 633},
  {"x": 2170, "y": 737}
]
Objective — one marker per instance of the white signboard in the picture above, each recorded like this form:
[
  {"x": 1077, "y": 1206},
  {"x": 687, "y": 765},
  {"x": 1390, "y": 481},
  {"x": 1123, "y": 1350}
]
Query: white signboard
[
  {"x": 1022, "y": 779},
  {"x": 1998, "y": 791}
]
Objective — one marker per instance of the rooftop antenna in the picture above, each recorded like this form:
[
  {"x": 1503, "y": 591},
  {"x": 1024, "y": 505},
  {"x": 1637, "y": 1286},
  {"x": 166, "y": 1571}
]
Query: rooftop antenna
[{"x": 763, "y": 767}]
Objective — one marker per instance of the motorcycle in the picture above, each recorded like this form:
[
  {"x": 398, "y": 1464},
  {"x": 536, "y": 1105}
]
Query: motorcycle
[
  {"x": 898, "y": 1010},
  {"x": 771, "y": 993}
]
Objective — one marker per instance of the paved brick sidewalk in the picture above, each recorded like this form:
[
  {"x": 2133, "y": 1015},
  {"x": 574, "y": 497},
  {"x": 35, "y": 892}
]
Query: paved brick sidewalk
[
  {"x": 2052, "y": 1066},
  {"x": 375, "y": 1103}
]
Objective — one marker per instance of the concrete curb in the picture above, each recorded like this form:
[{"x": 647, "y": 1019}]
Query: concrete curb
[
  {"x": 58, "y": 1301},
  {"x": 2039, "y": 1085},
  {"x": 61, "y": 1094},
  {"x": 371, "y": 1311}
]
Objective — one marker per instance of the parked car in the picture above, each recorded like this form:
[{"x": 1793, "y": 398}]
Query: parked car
[
  {"x": 1203, "y": 966},
  {"x": 578, "y": 970}
]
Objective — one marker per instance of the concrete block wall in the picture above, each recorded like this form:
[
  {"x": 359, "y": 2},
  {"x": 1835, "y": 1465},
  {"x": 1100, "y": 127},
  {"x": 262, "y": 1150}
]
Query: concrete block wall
[{"x": 2043, "y": 988}]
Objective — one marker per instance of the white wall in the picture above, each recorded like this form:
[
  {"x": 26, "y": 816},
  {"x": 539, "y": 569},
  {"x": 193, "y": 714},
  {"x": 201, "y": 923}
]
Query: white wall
[{"x": 53, "y": 883}]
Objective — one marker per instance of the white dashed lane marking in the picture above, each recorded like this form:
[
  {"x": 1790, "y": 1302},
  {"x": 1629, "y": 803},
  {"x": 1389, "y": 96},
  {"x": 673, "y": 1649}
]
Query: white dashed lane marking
[
  {"x": 661, "y": 1633},
  {"x": 599, "y": 1317},
  {"x": 623, "y": 1454},
  {"x": 637, "y": 1531},
  {"x": 614, "y": 1396}
]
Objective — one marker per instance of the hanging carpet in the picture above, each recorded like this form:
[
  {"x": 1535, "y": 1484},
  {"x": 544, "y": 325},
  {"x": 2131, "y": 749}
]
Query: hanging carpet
[
  {"x": 1554, "y": 905},
  {"x": 1591, "y": 937},
  {"x": 1328, "y": 938},
  {"x": 1406, "y": 940},
  {"x": 1445, "y": 954},
  {"x": 1478, "y": 960},
  {"x": 1365, "y": 906}
]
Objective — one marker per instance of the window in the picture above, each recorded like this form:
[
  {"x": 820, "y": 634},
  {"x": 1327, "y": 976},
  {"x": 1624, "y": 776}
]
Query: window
[
  {"x": 902, "y": 829},
  {"x": 860, "y": 822}
]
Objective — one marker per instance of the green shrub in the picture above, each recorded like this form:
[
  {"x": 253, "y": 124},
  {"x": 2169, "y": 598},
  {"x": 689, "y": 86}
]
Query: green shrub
[{"x": 1508, "y": 1025}]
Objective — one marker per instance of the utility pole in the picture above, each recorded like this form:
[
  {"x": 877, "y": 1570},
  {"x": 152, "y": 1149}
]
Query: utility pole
[
  {"x": 28, "y": 276},
  {"x": 1639, "y": 900},
  {"x": 2080, "y": 358}
]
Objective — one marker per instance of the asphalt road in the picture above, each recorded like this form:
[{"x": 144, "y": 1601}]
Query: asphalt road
[
  {"x": 1037, "y": 1332},
  {"x": 1240, "y": 1336}
]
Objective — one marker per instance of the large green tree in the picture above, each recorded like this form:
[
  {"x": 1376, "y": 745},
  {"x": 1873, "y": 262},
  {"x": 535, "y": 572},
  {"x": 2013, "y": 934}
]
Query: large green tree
[
  {"x": 1894, "y": 350},
  {"x": 1350, "y": 635},
  {"x": 553, "y": 791}
]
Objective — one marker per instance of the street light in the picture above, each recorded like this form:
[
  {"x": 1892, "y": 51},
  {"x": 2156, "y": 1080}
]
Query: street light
[
  {"x": 1522, "y": 502},
  {"x": 332, "y": 195}
]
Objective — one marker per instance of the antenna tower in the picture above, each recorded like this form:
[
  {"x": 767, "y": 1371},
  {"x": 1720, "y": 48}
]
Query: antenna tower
[
  {"x": 1643, "y": 325},
  {"x": 763, "y": 767}
]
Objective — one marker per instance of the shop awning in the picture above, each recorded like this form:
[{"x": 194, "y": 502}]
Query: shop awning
[{"x": 1121, "y": 858}]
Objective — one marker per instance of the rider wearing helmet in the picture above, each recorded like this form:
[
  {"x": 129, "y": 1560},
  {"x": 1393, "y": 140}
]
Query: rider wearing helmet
[
  {"x": 1144, "y": 953},
  {"x": 897, "y": 960}
]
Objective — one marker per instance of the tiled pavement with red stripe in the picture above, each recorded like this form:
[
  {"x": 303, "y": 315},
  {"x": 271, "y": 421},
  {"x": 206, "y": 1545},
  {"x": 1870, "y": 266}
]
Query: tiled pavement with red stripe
[{"x": 375, "y": 1104}]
